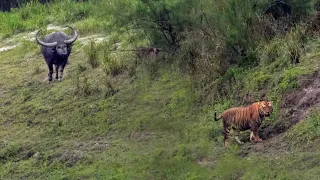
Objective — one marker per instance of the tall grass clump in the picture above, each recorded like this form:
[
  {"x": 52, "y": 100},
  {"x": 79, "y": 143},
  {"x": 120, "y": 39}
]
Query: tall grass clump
[
  {"x": 10, "y": 151},
  {"x": 113, "y": 63},
  {"x": 28, "y": 17},
  {"x": 90, "y": 25},
  {"x": 93, "y": 52},
  {"x": 83, "y": 85},
  {"x": 283, "y": 51},
  {"x": 301, "y": 9},
  {"x": 32, "y": 15},
  {"x": 9, "y": 24}
]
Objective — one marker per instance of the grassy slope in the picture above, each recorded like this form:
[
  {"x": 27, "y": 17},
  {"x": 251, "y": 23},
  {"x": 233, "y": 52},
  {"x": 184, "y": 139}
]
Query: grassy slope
[
  {"x": 150, "y": 129},
  {"x": 47, "y": 127}
]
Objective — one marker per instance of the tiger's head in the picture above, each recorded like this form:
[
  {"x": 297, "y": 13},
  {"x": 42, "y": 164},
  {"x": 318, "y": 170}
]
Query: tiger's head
[{"x": 265, "y": 108}]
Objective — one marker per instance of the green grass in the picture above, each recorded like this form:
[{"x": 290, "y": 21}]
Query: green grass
[
  {"x": 306, "y": 131},
  {"x": 151, "y": 128},
  {"x": 34, "y": 15},
  {"x": 97, "y": 124},
  {"x": 43, "y": 124},
  {"x": 293, "y": 165}
]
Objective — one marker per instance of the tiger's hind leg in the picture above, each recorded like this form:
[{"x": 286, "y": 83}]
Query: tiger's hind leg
[
  {"x": 225, "y": 142},
  {"x": 226, "y": 131},
  {"x": 236, "y": 136}
]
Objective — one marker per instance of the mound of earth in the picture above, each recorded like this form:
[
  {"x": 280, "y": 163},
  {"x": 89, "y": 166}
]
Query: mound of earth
[{"x": 297, "y": 103}]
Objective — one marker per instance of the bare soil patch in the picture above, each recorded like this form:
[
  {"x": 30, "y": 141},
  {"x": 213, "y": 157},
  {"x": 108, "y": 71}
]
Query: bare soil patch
[
  {"x": 297, "y": 103},
  {"x": 293, "y": 109}
]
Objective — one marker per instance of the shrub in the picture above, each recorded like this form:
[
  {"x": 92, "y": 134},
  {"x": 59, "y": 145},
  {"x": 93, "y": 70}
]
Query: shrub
[
  {"x": 283, "y": 51},
  {"x": 10, "y": 151},
  {"x": 93, "y": 52}
]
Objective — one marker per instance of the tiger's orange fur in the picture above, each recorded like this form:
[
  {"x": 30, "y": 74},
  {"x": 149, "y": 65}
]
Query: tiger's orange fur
[{"x": 244, "y": 118}]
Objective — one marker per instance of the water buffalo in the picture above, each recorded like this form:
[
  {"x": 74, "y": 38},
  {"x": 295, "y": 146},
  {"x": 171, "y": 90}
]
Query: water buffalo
[{"x": 56, "y": 48}]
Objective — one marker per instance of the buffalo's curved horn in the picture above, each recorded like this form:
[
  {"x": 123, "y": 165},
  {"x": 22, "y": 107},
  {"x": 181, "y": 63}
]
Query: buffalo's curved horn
[
  {"x": 73, "y": 38},
  {"x": 44, "y": 43}
]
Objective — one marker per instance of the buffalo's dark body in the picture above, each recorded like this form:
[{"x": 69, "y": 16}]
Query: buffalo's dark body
[
  {"x": 52, "y": 57},
  {"x": 56, "y": 48}
]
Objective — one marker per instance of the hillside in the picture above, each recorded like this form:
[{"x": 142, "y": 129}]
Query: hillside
[{"x": 115, "y": 116}]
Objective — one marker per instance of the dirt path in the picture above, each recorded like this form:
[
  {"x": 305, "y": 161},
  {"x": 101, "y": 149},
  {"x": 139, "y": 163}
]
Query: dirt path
[
  {"x": 13, "y": 42},
  {"x": 298, "y": 102}
]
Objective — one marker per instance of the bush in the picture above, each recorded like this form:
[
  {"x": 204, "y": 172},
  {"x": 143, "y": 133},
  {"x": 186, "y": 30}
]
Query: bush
[
  {"x": 301, "y": 9},
  {"x": 92, "y": 53},
  {"x": 10, "y": 151},
  {"x": 284, "y": 51},
  {"x": 113, "y": 65}
]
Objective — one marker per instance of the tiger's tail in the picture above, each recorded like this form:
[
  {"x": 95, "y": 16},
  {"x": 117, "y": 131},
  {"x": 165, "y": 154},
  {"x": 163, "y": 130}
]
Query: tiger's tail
[{"x": 215, "y": 116}]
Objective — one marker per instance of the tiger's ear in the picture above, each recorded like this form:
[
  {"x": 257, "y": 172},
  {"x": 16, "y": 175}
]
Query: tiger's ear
[{"x": 269, "y": 103}]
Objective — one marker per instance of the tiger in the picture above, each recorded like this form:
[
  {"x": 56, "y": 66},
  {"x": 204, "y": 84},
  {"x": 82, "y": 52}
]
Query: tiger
[{"x": 244, "y": 118}]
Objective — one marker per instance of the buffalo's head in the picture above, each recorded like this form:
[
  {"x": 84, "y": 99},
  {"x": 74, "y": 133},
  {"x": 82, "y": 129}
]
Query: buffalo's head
[{"x": 59, "y": 46}]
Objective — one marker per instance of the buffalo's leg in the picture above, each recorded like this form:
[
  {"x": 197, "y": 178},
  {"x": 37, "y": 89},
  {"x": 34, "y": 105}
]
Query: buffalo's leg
[
  {"x": 60, "y": 73},
  {"x": 61, "y": 68},
  {"x": 57, "y": 68},
  {"x": 50, "y": 66}
]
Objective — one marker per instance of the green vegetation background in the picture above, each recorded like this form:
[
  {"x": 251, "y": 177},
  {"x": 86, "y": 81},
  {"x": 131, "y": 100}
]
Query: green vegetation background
[{"x": 116, "y": 117}]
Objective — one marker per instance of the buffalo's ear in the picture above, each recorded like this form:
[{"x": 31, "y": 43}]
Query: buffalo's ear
[{"x": 69, "y": 45}]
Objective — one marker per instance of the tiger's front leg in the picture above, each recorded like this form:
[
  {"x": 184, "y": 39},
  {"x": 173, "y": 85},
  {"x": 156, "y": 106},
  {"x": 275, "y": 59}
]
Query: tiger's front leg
[{"x": 254, "y": 135}]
